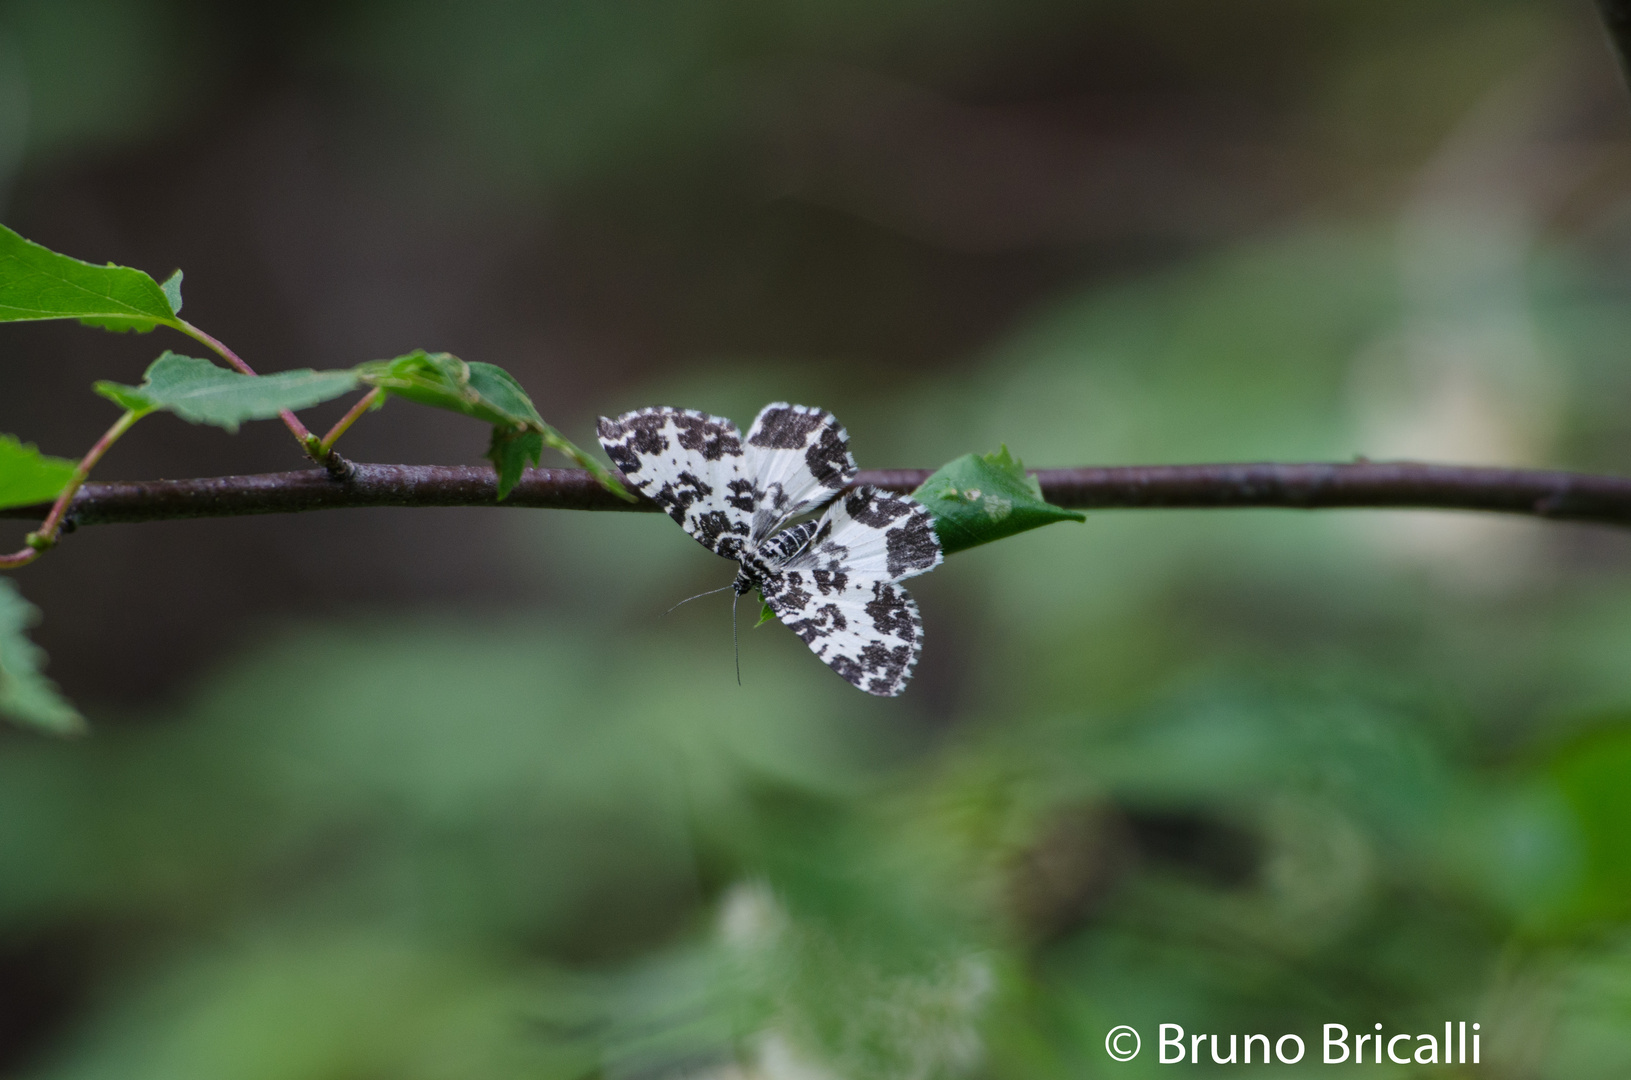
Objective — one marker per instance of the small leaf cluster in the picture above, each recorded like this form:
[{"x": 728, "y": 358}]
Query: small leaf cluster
[
  {"x": 37, "y": 283},
  {"x": 488, "y": 393},
  {"x": 206, "y": 393}
]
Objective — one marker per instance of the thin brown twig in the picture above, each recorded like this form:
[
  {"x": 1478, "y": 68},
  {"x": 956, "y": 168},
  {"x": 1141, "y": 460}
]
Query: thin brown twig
[{"x": 1553, "y": 495}]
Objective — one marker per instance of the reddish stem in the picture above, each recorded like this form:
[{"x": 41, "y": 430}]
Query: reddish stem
[
  {"x": 363, "y": 404},
  {"x": 308, "y": 441},
  {"x": 45, "y": 536}
]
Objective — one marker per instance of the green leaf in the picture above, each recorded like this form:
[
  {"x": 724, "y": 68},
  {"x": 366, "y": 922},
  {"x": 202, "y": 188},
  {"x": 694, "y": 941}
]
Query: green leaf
[
  {"x": 977, "y": 498},
  {"x": 510, "y": 451},
  {"x": 765, "y": 614},
  {"x": 172, "y": 291},
  {"x": 490, "y": 394},
  {"x": 37, "y": 283},
  {"x": 204, "y": 393},
  {"x": 498, "y": 390},
  {"x": 126, "y": 397},
  {"x": 439, "y": 380},
  {"x": 28, "y": 476},
  {"x": 26, "y": 695}
]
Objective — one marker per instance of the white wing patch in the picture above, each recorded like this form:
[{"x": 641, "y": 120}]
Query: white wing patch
[
  {"x": 832, "y": 581},
  {"x": 690, "y": 464},
  {"x": 799, "y": 459}
]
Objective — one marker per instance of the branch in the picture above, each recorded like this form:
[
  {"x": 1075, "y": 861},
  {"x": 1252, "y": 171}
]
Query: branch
[{"x": 1566, "y": 496}]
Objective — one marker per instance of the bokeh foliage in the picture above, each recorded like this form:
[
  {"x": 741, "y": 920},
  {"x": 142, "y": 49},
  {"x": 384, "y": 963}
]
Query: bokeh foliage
[{"x": 1243, "y": 772}]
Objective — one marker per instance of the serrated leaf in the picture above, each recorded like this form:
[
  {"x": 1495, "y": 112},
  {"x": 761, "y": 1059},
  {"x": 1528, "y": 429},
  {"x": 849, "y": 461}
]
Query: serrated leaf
[
  {"x": 978, "y": 498},
  {"x": 204, "y": 393},
  {"x": 510, "y": 451},
  {"x": 28, "y": 476},
  {"x": 38, "y": 283},
  {"x": 489, "y": 393},
  {"x": 26, "y": 695}
]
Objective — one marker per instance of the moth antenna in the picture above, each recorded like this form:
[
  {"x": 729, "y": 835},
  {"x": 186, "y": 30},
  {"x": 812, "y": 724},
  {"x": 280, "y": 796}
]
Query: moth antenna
[
  {"x": 735, "y": 647},
  {"x": 699, "y": 596}
]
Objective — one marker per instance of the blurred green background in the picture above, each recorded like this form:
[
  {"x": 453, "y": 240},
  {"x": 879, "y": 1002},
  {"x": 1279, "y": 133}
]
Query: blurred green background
[{"x": 441, "y": 794}]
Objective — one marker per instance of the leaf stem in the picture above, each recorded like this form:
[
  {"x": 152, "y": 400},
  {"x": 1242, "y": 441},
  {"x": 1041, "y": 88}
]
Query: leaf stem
[
  {"x": 612, "y": 483},
  {"x": 45, "y": 537},
  {"x": 363, "y": 404},
  {"x": 308, "y": 441}
]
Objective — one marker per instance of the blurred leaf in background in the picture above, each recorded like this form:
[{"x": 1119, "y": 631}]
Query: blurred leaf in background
[{"x": 27, "y": 697}]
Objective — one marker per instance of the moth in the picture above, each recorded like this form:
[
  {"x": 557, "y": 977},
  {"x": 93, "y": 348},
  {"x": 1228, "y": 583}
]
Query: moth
[{"x": 833, "y": 580}]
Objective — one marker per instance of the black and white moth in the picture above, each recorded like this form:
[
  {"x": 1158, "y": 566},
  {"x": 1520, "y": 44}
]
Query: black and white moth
[{"x": 833, "y": 580}]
